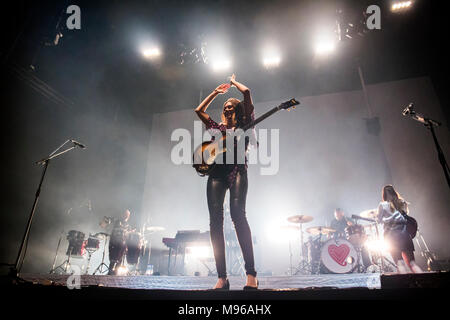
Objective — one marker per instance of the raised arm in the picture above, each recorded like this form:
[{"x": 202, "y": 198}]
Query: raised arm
[
  {"x": 248, "y": 103},
  {"x": 201, "y": 109}
]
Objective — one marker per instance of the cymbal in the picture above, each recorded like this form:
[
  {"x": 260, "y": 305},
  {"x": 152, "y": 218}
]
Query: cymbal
[
  {"x": 155, "y": 229},
  {"x": 371, "y": 213},
  {"x": 320, "y": 230},
  {"x": 301, "y": 218}
]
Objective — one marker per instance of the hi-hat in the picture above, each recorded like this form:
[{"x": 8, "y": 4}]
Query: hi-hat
[
  {"x": 301, "y": 218},
  {"x": 320, "y": 230},
  {"x": 371, "y": 213}
]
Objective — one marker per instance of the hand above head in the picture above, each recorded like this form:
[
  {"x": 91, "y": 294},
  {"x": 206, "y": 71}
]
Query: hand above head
[
  {"x": 232, "y": 79},
  {"x": 223, "y": 88}
]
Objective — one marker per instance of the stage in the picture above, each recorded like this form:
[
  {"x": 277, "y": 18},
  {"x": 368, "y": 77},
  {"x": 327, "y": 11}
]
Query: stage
[
  {"x": 335, "y": 281},
  {"x": 372, "y": 286}
]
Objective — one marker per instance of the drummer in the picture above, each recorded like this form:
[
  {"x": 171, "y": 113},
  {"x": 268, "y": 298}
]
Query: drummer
[{"x": 339, "y": 223}]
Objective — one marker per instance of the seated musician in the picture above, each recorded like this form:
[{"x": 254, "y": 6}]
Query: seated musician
[{"x": 339, "y": 223}]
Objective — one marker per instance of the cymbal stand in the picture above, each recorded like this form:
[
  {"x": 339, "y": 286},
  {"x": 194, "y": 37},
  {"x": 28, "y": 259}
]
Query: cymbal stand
[
  {"x": 425, "y": 252},
  {"x": 90, "y": 252},
  {"x": 103, "y": 264},
  {"x": 290, "y": 258},
  {"x": 53, "y": 270},
  {"x": 66, "y": 263},
  {"x": 381, "y": 256},
  {"x": 359, "y": 249},
  {"x": 304, "y": 266}
]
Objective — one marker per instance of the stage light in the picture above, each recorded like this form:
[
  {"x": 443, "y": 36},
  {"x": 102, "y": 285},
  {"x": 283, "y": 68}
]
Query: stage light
[
  {"x": 122, "y": 271},
  {"x": 271, "y": 57},
  {"x": 220, "y": 64},
  {"x": 199, "y": 252},
  {"x": 379, "y": 245},
  {"x": 271, "y": 62},
  {"x": 151, "y": 53},
  {"x": 325, "y": 46},
  {"x": 280, "y": 232},
  {"x": 401, "y": 5}
]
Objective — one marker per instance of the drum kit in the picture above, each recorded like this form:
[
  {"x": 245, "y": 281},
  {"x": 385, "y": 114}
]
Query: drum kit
[
  {"x": 125, "y": 245},
  {"x": 327, "y": 251}
]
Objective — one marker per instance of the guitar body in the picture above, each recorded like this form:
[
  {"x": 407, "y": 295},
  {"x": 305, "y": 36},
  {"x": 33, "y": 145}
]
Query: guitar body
[
  {"x": 411, "y": 226},
  {"x": 204, "y": 157}
]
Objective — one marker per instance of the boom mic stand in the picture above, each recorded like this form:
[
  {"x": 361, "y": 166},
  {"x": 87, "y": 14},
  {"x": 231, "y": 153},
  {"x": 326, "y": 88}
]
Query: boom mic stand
[
  {"x": 430, "y": 124},
  {"x": 22, "y": 251}
]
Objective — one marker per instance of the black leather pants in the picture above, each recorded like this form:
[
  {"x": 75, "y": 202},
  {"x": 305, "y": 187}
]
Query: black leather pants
[{"x": 216, "y": 189}]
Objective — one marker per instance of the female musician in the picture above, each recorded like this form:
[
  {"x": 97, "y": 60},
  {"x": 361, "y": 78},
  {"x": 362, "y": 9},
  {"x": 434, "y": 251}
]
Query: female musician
[
  {"x": 232, "y": 176},
  {"x": 391, "y": 213}
]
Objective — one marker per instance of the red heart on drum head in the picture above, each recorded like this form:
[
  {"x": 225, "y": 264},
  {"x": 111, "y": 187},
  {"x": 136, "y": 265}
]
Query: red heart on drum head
[{"x": 339, "y": 253}]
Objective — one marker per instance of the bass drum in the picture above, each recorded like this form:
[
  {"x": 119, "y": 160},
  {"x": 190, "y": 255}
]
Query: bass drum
[{"x": 338, "y": 256}]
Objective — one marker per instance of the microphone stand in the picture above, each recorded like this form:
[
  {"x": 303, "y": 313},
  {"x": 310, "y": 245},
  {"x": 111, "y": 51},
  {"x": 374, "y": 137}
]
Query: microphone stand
[
  {"x": 430, "y": 124},
  {"x": 15, "y": 270}
]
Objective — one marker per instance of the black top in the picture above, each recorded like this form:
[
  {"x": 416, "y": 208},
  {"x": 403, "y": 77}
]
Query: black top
[{"x": 339, "y": 225}]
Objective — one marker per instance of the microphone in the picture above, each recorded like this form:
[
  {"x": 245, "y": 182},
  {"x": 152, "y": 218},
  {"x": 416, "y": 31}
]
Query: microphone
[
  {"x": 409, "y": 109},
  {"x": 78, "y": 144}
]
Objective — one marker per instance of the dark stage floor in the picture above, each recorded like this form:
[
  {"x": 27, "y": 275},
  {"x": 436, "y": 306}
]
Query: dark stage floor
[{"x": 282, "y": 297}]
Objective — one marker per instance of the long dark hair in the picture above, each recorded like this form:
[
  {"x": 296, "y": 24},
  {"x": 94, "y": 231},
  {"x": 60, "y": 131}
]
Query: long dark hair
[{"x": 396, "y": 201}]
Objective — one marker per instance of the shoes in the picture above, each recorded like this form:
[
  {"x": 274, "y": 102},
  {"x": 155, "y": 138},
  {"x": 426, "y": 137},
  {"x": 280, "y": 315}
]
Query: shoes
[
  {"x": 248, "y": 288},
  {"x": 226, "y": 287}
]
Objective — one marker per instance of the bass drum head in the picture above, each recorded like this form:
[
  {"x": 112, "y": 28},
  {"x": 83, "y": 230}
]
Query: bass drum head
[{"x": 339, "y": 256}]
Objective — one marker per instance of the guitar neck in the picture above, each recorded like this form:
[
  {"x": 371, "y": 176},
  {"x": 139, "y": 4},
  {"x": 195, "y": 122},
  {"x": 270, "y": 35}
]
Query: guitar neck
[{"x": 261, "y": 118}]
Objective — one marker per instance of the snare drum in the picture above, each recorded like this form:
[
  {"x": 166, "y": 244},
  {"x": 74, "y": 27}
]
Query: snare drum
[
  {"x": 338, "y": 256},
  {"x": 356, "y": 234}
]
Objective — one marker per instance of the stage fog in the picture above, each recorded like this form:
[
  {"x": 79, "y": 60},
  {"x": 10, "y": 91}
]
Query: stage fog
[{"x": 329, "y": 156}]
